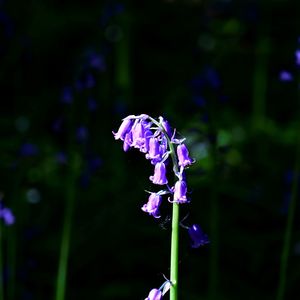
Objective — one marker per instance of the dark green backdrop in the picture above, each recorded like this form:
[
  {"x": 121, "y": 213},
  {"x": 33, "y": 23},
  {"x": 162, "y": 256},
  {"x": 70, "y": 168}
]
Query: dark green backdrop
[{"x": 71, "y": 70}]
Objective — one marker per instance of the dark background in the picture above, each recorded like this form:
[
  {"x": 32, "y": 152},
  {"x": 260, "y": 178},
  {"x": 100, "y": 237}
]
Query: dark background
[{"x": 71, "y": 70}]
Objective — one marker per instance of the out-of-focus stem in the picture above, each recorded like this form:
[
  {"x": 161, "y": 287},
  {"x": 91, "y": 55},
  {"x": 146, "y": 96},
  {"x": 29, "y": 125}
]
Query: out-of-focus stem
[
  {"x": 289, "y": 223},
  {"x": 66, "y": 235}
]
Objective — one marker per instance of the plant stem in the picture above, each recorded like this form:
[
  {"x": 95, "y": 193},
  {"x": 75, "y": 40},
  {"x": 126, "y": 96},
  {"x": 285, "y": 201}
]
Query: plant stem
[
  {"x": 175, "y": 223},
  {"x": 289, "y": 226},
  {"x": 174, "y": 252},
  {"x": 65, "y": 243}
]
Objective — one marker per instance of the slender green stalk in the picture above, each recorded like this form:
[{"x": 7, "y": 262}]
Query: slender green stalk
[
  {"x": 174, "y": 235},
  {"x": 175, "y": 224},
  {"x": 174, "y": 252},
  {"x": 65, "y": 243},
  {"x": 289, "y": 227}
]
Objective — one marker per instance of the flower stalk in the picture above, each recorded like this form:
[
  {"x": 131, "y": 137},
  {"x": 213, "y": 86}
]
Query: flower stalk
[{"x": 156, "y": 140}]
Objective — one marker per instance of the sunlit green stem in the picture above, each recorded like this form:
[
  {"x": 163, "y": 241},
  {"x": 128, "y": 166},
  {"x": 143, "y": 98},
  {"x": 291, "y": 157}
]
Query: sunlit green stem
[
  {"x": 289, "y": 227},
  {"x": 175, "y": 224},
  {"x": 174, "y": 252}
]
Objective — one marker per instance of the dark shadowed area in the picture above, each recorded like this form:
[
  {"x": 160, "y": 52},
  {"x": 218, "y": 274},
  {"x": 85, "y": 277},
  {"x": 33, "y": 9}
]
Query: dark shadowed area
[{"x": 224, "y": 73}]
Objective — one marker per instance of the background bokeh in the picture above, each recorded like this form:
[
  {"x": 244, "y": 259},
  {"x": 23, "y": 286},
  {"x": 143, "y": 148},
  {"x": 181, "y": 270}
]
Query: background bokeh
[{"x": 224, "y": 73}]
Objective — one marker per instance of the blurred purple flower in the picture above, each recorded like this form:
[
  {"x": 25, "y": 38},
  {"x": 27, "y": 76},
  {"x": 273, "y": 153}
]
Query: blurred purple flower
[
  {"x": 57, "y": 125},
  {"x": 212, "y": 77},
  {"x": 67, "y": 95},
  {"x": 285, "y": 76},
  {"x": 7, "y": 216},
  {"x": 61, "y": 157},
  {"x": 82, "y": 134},
  {"x": 96, "y": 61},
  {"x": 297, "y": 56},
  {"x": 28, "y": 149},
  {"x": 198, "y": 237},
  {"x": 89, "y": 81},
  {"x": 110, "y": 10}
]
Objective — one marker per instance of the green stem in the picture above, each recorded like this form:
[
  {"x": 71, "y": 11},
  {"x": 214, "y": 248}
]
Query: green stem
[
  {"x": 65, "y": 243},
  {"x": 289, "y": 227},
  {"x": 174, "y": 252},
  {"x": 175, "y": 224}
]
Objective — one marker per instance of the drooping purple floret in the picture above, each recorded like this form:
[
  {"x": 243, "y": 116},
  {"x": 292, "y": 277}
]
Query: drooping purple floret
[
  {"x": 154, "y": 149},
  {"x": 152, "y": 206},
  {"x": 7, "y": 216},
  {"x": 165, "y": 124},
  {"x": 180, "y": 190},
  {"x": 159, "y": 176},
  {"x": 183, "y": 156},
  {"x": 154, "y": 294},
  {"x": 138, "y": 134},
  {"x": 198, "y": 237},
  {"x": 123, "y": 130}
]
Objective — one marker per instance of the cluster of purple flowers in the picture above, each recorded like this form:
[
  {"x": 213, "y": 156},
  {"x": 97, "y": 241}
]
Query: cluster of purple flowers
[{"x": 156, "y": 140}]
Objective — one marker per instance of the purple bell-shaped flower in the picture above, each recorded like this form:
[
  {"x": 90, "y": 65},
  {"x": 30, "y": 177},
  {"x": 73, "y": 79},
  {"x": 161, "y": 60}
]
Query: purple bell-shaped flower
[
  {"x": 198, "y": 237},
  {"x": 154, "y": 294},
  {"x": 152, "y": 206},
  {"x": 124, "y": 128},
  {"x": 183, "y": 156},
  {"x": 159, "y": 176},
  {"x": 180, "y": 190}
]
